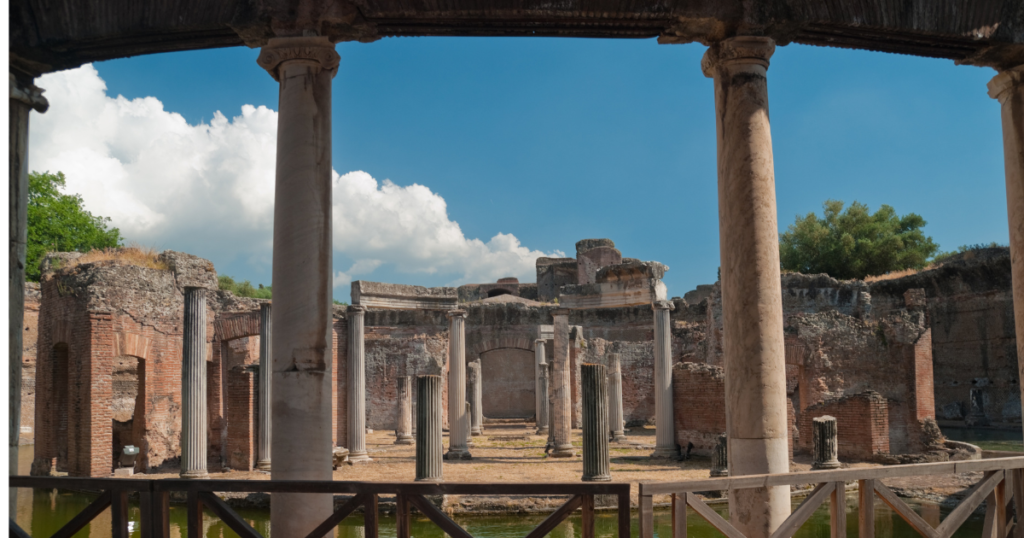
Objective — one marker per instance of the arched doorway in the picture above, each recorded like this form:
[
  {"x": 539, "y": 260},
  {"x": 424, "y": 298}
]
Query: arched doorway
[
  {"x": 128, "y": 385},
  {"x": 508, "y": 384}
]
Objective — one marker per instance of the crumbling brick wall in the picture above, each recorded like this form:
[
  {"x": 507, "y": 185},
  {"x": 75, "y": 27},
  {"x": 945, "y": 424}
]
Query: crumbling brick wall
[
  {"x": 30, "y": 340},
  {"x": 862, "y": 422},
  {"x": 698, "y": 405}
]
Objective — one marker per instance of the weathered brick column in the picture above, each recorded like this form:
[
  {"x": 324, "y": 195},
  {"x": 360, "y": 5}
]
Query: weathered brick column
[
  {"x": 615, "y": 421},
  {"x": 193, "y": 385},
  {"x": 263, "y": 443},
  {"x": 429, "y": 445},
  {"x": 302, "y": 444},
  {"x": 542, "y": 389},
  {"x": 458, "y": 419},
  {"x": 476, "y": 398},
  {"x": 596, "y": 462},
  {"x": 539, "y": 396},
  {"x": 826, "y": 442},
  {"x": 561, "y": 406},
  {"x": 665, "y": 436},
  {"x": 356, "y": 386},
  {"x": 755, "y": 365},
  {"x": 1008, "y": 88},
  {"x": 403, "y": 433}
]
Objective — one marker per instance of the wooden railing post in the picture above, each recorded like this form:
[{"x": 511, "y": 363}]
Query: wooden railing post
[
  {"x": 837, "y": 510},
  {"x": 646, "y": 516},
  {"x": 866, "y": 508},
  {"x": 587, "y": 507},
  {"x": 370, "y": 525},
  {"x": 624, "y": 519},
  {"x": 402, "y": 515},
  {"x": 195, "y": 515},
  {"x": 119, "y": 513},
  {"x": 1017, "y": 490},
  {"x": 679, "y": 515}
]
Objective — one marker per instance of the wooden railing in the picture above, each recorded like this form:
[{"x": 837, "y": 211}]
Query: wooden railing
[
  {"x": 1002, "y": 488},
  {"x": 154, "y": 503}
]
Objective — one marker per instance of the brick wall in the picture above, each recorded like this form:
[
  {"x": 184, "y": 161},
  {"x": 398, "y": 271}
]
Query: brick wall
[
  {"x": 698, "y": 405},
  {"x": 862, "y": 422}
]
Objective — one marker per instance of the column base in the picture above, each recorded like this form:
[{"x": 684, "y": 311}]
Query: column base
[
  {"x": 263, "y": 465},
  {"x": 476, "y": 432},
  {"x": 665, "y": 453},
  {"x": 195, "y": 475},
  {"x": 470, "y": 444},
  {"x": 565, "y": 451},
  {"x": 458, "y": 454},
  {"x": 618, "y": 437},
  {"x": 358, "y": 457},
  {"x": 436, "y": 480},
  {"x": 405, "y": 440},
  {"x": 542, "y": 431},
  {"x": 598, "y": 478},
  {"x": 715, "y": 473},
  {"x": 826, "y": 465}
]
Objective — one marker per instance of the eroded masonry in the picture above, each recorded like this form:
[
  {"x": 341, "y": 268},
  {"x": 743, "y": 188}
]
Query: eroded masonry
[{"x": 111, "y": 367}]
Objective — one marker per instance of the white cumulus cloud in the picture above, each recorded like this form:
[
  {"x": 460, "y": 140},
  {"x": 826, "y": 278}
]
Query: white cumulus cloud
[{"x": 209, "y": 188}]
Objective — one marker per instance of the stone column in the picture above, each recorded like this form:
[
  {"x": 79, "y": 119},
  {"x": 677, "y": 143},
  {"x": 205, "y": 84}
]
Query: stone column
[
  {"x": 476, "y": 397},
  {"x": 24, "y": 97},
  {"x": 539, "y": 359},
  {"x": 720, "y": 457},
  {"x": 616, "y": 423},
  {"x": 1008, "y": 88},
  {"x": 755, "y": 365},
  {"x": 263, "y": 446},
  {"x": 542, "y": 389},
  {"x": 356, "y": 386},
  {"x": 665, "y": 433},
  {"x": 193, "y": 385},
  {"x": 302, "y": 444},
  {"x": 596, "y": 462},
  {"x": 561, "y": 406},
  {"x": 458, "y": 421},
  {"x": 429, "y": 446},
  {"x": 403, "y": 433},
  {"x": 826, "y": 443}
]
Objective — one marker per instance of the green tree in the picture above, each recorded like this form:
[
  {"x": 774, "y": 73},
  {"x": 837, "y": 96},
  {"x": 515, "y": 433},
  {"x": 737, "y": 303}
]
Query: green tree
[
  {"x": 855, "y": 243},
  {"x": 244, "y": 288},
  {"x": 58, "y": 222}
]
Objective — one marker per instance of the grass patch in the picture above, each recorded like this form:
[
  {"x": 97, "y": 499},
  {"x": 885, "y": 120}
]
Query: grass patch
[{"x": 130, "y": 255}]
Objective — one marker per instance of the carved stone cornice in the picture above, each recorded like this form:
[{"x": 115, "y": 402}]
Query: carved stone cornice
[
  {"x": 28, "y": 94},
  {"x": 316, "y": 50},
  {"x": 999, "y": 86},
  {"x": 456, "y": 314},
  {"x": 737, "y": 51},
  {"x": 356, "y": 309}
]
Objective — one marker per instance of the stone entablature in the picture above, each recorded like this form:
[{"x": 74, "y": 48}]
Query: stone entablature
[
  {"x": 401, "y": 296},
  {"x": 625, "y": 284}
]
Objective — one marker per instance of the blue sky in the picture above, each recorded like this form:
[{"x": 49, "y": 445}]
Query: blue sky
[{"x": 555, "y": 140}]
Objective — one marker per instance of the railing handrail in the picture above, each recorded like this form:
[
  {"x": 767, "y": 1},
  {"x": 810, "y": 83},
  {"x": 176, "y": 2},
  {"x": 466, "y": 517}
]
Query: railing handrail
[
  {"x": 814, "y": 477},
  {"x": 325, "y": 486}
]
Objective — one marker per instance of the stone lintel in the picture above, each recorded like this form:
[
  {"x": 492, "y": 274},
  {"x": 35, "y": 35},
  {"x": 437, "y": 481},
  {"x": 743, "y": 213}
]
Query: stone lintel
[
  {"x": 635, "y": 292},
  {"x": 403, "y": 297}
]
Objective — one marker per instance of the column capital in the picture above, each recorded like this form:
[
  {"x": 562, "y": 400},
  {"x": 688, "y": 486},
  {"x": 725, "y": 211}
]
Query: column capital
[
  {"x": 999, "y": 86},
  {"x": 265, "y": 305},
  {"x": 560, "y": 312},
  {"x": 457, "y": 313},
  {"x": 29, "y": 94},
  {"x": 317, "y": 50},
  {"x": 539, "y": 342},
  {"x": 739, "y": 50},
  {"x": 356, "y": 309},
  {"x": 663, "y": 305}
]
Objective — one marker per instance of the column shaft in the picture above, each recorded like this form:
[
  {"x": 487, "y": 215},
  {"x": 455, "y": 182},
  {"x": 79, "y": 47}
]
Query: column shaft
[
  {"x": 539, "y": 359},
  {"x": 542, "y": 389},
  {"x": 458, "y": 420},
  {"x": 596, "y": 462},
  {"x": 755, "y": 376},
  {"x": 826, "y": 443},
  {"x": 1008, "y": 88},
  {"x": 476, "y": 397},
  {"x": 665, "y": 437},
  {"x": 193, "y": 385},
  {"x": 561, "y": 406},
  {"x": 403, "y": 433},
  {"x": 616, "y": 423},
  {"x": 429, "y": 445},
  {"x": 356, "y": 386},
  {"x": 266, "y": 377},
  {"x": 301, "y": 442}
]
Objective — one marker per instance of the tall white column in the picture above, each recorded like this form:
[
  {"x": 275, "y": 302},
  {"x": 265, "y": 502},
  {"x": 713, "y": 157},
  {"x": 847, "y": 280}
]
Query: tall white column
[
  {"x": 476, "y": 397},
  {"x": 266, "y": 378},
  {"x": 665, "y": 434},
  {"x": 755, "y": 365},
  {"x": 458, "y": 419},
  {"x": 539, "y": 358},
  {"x": 560, "y": 412},
  {"x": 301, "y": 441},
  {"x": 356, "y": 385},
  {"x": 403, "y": 431},
  {"x": 193, "y": 385},
  {"x": 543, "y": 418},
  {"x": 616, "y": 422},
  {"x": 1008, "y": 88}
]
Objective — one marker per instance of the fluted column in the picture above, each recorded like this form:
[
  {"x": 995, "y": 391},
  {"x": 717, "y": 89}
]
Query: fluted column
[
  {"x": 193, "y": 385},
  {"x": 356, "y": 386},
  {"x": 596, "y": 462},
  {"x": 551, "y": 401},
  {"x": 665, "y": 424},
  {"x": 403, "y": 433},
  {"x": 458, "y": 420},
  {"x": 826, "y": 443},
  {"x": 615, "y": 421},
  {"x": 476, "y": 398},
  {"x": 561, "y": 406},
  {"x": 1008, "y": 88},
  {"x": 542, "y": 389},
  {"x": 301, "y": 441},
  {"x": 429, "y": 445},
  {"x": 720, "y": 457},
  {"x": 539, "y": 359},
  {"x": 755, "y": 365},
  {"x": 263, "y": 444}
]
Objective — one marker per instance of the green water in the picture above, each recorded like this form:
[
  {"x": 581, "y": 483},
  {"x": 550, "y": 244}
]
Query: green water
[
  {"x": 43, "y": 512},
  {"x": 987, "y": 438}
]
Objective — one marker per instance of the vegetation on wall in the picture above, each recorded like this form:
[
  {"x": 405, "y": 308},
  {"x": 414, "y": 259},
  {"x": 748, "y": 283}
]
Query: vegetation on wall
[
  {"x": 243, "y": 288},
  {"x": 58, "y": 222}
]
